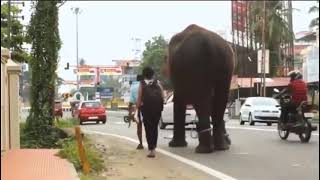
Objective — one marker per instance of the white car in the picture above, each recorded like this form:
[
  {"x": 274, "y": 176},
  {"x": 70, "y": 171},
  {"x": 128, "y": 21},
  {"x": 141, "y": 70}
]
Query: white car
[
  {"x": 260, "y": 109},
  {"x": 191, "y": 116}
]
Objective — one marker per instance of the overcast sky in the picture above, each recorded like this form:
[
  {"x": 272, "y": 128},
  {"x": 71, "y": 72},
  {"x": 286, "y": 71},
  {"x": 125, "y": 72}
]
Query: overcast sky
[{"x": 106, "y": 28}]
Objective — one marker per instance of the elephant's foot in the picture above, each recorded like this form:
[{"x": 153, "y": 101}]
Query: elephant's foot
[
  {"x": 204, "y": 149},
  {"x": 204, "y": 143},
  {"x": 221, "y": 141},
  {"x": 178, "y": 143}
]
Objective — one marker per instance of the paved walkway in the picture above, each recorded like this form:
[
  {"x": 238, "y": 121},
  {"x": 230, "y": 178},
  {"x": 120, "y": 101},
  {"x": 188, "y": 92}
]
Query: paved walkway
[{"x": 36, "y": 164}]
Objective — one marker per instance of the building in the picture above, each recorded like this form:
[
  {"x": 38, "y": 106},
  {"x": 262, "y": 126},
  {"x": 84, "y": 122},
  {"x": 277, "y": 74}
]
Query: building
[
  {"x": 130, "y": 70},
  {"x": 304, "y": 41},
  {"x": 307, "y": 53}
]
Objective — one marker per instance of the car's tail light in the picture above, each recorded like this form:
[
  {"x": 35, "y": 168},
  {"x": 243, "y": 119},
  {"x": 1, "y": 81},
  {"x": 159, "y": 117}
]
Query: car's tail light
[{"x": 189, "y": 107}]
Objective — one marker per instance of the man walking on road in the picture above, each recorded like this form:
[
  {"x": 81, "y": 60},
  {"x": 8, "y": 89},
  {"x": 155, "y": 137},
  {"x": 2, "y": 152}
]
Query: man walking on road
[
  {"x": 132, "y": 107},
  {"x": 150, "y": 100}
]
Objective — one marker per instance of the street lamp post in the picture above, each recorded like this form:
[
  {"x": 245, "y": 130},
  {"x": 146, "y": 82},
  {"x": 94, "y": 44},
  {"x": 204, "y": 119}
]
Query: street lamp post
[
  {"x": 263, "y": 67},
  {"x": 77, "y": 11}
]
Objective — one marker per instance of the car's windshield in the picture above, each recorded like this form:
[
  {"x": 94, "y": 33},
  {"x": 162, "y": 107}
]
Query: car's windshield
[
  {"x": 264, "y": 102},
  {"x": 91, "y": 105}
]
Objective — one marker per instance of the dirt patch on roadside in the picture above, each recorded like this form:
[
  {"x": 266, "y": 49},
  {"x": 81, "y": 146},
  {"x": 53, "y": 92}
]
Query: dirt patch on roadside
[{"x": 124, "y": 162}]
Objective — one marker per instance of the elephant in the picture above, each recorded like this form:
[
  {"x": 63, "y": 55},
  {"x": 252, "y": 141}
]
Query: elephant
[{"x": 200, "y": 65}]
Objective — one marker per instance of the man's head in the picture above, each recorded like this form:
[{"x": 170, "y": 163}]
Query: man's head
[
  {"x": 139, "y": 77},
  {"x": 147, "y": 73},
  {"x": 130, "y": 83},
  {"x": 294, "y": 75}
]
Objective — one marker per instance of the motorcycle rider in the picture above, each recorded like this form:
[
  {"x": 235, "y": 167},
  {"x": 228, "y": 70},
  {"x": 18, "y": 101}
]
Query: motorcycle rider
[{"x": 297, "y": 89}]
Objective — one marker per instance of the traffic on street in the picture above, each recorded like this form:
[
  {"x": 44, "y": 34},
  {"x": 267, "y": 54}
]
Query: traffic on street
[{"x": 256, "y": 153}]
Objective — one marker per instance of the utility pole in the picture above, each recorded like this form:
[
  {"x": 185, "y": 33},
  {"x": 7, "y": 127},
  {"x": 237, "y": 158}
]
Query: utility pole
[
  {"x": 263, "y": 67},
  {"x": 136, "y": 47},
  {"x": 77, "y": 11},
  {"x": 10, "y": 20}
]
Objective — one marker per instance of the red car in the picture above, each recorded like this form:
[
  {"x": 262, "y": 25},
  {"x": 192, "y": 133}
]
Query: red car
[
  {"x": 58, "y": 109},
  {"x": 91, "y": 111}
]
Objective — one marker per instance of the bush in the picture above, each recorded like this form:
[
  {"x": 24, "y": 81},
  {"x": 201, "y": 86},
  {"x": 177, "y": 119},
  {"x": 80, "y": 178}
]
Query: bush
[
  {"x": 41, "y": 137},
  {"x": 70, "y": 151}
]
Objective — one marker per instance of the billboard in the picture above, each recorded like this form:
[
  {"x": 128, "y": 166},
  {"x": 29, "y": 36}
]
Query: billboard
[
  {"x": 110, "y": 71},
  {"x": 266, "y": 61},
  {"x": 105, "y": 93},
  {"x": 85, "y": 71},
  {"x": 239, "y": 15}
]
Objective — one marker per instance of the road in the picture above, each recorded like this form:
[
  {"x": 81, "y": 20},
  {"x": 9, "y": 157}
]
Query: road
[{"x": 257, "y": 153}]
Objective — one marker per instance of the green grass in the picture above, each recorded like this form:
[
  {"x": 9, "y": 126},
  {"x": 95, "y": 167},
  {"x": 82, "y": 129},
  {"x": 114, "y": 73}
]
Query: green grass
[
  {"x": 91, "y": 177},
  {"x": 66, "y": 123},
  {"x": 70, "y": 151}
]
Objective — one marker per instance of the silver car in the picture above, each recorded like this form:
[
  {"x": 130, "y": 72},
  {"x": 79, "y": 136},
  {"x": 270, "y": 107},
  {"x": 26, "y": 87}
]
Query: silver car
[
  {"x": 191, "y": 116},
  {"x": 260, "y": 109}
]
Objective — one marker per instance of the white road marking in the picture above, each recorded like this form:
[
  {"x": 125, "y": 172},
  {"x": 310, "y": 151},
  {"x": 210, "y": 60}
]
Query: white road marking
[
  {"x": 203, "y": 168},
  {"x": 241, "y": 153},
  {"x": 296, "y": 165},
  {"x": 257, "y": 129},
  {"x": 118, "y": 122}
]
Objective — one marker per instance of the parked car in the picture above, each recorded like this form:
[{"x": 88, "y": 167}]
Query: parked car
[
  {"x": 91, "y": 111},
  {"x": 74, "y": 105},
  {"x": 191, "y": 116},
  {"x": 58, "y": 109},
  {"x": 260, "y": 109}
]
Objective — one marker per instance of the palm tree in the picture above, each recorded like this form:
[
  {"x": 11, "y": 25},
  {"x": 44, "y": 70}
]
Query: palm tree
[
  {"x": 314, "y": 22},
  {"x": 277, "y": 29}
]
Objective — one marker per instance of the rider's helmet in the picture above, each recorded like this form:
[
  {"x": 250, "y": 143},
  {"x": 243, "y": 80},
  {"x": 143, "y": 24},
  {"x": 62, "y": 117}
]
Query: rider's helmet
[{"x": 294, "y": 75}]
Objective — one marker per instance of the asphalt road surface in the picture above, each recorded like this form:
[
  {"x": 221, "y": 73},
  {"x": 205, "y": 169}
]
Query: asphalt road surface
[{"x": 256, "y": 153}]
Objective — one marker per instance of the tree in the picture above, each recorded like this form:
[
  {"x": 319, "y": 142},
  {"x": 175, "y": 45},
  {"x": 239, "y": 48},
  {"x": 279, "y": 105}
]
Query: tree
[
  {"x": 277, "y": 30},
  {"x": 82, "y": 62},
  {"x": 154, "y": 57},
  {"x": 314, "y": 22},
  {"x": 44, "y": 35},
  {"x": 18, "y": 36}
]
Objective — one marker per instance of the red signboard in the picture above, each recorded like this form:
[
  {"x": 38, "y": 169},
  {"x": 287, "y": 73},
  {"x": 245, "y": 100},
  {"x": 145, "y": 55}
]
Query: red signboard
[{"x": 239, "y": 15}]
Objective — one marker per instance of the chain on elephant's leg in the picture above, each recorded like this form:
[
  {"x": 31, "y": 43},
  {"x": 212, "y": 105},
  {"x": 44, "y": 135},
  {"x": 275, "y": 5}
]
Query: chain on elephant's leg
[
  {"x": 221, "y": 140},
  {"x": 204, "y": 129}
]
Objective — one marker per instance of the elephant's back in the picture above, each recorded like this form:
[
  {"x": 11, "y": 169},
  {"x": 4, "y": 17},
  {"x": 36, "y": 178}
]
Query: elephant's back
[{"x": 198, "y": 60}]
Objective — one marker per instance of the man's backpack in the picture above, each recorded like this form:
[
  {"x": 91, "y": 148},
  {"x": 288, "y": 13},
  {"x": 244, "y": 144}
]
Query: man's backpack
[{"x": 152, "y": 97}]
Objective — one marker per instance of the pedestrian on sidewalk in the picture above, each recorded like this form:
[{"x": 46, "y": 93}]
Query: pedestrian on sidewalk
[
  {"x": 150, "y": 100},
  {"x": 133, "y": 110}
]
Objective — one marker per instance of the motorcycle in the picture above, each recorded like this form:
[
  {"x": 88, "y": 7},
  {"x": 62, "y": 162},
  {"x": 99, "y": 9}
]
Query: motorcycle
[{"x": 303, "y": 114}]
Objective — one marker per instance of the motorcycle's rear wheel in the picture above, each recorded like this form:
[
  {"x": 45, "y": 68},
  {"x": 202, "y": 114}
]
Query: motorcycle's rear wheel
[{"x": 306, "y": 135}]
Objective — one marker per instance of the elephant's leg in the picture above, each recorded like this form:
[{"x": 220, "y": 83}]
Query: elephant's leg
[
  {"x": 179, "y": 117},
  {"x": 219, "y": 105},
  {"x": 213, "y": 119},
  {"x": 203, "y": 127}
]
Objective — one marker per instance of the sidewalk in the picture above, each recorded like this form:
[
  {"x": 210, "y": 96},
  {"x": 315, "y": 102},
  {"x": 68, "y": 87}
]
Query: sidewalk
[
  {"x": 124, "y": 162},
  {"x": 36, "y": 164}
]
